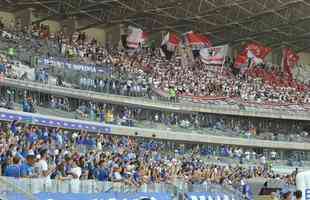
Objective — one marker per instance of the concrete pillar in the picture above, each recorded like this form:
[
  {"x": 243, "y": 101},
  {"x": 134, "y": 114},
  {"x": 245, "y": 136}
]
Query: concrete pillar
[
  {"x": 235, "y": 51},
  {"x": 123, "y": 29},
  {"x": 277, "y": 56},
  {"x": 24, "y": 17},
  {"x": 8, "y": 19},
  {"x": 54, "y": 26},
  {"x": 69, "y": 26},
  {"x": 96, "y": 33},
  {"x": 269, "y": 57},
  {"x": 113, "y": 35}
]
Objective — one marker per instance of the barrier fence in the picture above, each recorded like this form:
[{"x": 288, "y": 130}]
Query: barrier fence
[
  {"x": 41, "y": 188},
  {"x": 218, "y": 107}
]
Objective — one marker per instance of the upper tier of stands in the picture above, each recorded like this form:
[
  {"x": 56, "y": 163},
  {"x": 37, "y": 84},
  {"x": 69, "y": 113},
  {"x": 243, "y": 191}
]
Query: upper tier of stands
[{"x": 146, "y": 73}]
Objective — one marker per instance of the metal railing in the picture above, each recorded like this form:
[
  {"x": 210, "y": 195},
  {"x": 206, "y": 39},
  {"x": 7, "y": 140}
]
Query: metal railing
[
  {"x": 177, "y": 188},
  {"x": 218, "y": 108},
  {"x": 10, "y": 191}
]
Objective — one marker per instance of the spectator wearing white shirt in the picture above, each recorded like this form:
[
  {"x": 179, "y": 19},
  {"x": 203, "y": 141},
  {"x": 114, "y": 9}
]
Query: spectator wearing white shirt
[
  {"x": 75, "y": 170},
  {"x": 41, "y": 165},
  {"x": 273, "y": 155}
]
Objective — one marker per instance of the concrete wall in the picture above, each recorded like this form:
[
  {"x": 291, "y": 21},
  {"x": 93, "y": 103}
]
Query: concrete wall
[
  {"x": 69, "y": 26},
  {"x": 7, "y": 18},
  {"x": 97, "y": 33},
  {"x": 113, "y": 34},
  {"x": 24, "y": 16},
  {"x": 304, "y": 58},
  {"x": 235, "y": 51},
  {"x": 54, "y": 25},
  {"x": 269, "y": 58},
  {"x": 277, "y": 56}
]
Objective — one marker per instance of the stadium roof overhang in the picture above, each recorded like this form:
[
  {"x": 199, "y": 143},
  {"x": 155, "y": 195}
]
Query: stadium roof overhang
[{"x": 275, "y": 23}]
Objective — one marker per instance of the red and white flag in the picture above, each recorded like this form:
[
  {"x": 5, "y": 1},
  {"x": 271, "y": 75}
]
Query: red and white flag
[
  {"x": 206, "y": 40},
  {"x": 254, "y": 51},
  {"x": 242, "y": 60},
  {"x": 171, "y": 40},
  {"x": 135, "y": 37},
  {"x": 258, "y": 50},
  {"x": 289, "y": 60},
  {"x": 196, "y": 40},
  {"x": 214, "y": 55},
  {"x": 169, "y": 44}
]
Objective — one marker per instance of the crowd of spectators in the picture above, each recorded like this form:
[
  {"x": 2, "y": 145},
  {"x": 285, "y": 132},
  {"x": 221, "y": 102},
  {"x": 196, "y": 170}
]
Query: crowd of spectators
[
  {"x": 128, "y": 87},
  {"x": 200, "y": 80},
  {"x": 187, "y": 75},
  {"x": 135, "y": 116},
  {"x": 5, "y": 65},
  {"x": 41, "y": 75},
  {"x": 32, "y": 151}
]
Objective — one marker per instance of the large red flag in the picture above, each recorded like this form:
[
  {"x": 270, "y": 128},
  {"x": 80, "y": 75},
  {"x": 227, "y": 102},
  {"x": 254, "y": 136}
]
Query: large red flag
[
  {"x": 196, "y": 39},
  {"x": 258, "y": 49},
  {"x": 171, "y": 40},
  {"x": 169, "y": 44},
  {"x": 174, "y": 40},
  {"x": 241, "y": 60},
  {"x": 289, "y": 60},
  {"x": 193, "y": 39},
  {"x": 206, "y": 41},
  {"x": 254, "y": 51}
]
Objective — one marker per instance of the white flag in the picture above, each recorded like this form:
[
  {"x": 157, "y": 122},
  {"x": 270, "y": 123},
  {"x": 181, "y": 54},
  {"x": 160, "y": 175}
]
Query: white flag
[
  {"x": 135, "y": 37},
  {"x": 214, "y": 55}
]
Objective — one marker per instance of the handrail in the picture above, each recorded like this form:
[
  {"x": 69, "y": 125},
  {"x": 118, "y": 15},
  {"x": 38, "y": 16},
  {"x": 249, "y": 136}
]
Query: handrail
[
  {"x": 8, "y": 186},
  {"x": 45, "y": 185},
  {"x": 159, "y": 105}
]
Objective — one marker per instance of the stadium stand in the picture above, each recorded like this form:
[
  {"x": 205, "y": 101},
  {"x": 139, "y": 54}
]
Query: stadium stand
[{"x": 80, "y": 119}]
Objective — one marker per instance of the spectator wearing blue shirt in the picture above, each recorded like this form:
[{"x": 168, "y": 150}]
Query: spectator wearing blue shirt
[
  {"x": 32, "y": 136},
  {"x": 101, "y": 115},
  {"x": 45, "y": 134},
  {"x": 26, "y": 169},
  {"x": 45, "y": 76},
  {"x": 13, "y": 170},
  {"x": 25, "y": 106},
  {"x": 102, "y": 172},
  {"x": 59, "y": 137},
  {"x": 136, "y": 178},
  {"x": 24, "y": 152},
  {"x": 2, "y": 68},
  {"x": 68, "y": 164},
  {"x": 13, "y": 127}
]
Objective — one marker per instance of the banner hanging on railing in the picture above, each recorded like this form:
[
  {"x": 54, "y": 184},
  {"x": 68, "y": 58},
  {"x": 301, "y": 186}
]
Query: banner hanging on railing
[
  {"x": 52, "y": 122},
  {"x": 95, "y": 196},
  {"x": 107, "y": 69}
]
